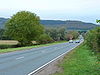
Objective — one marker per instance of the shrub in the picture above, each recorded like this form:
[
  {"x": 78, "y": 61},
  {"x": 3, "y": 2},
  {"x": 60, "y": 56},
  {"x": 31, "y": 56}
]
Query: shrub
[
  {"x": 71, "y": 35},
  {"x": 6, "y": 46},
  {"x": 44, "y": 38},
  {"x": 93, "y": 40},
  {"x": 57, "y": 33}
]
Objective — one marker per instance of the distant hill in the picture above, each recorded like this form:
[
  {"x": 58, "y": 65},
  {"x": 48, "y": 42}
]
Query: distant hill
[
  {"x": 2, "y": 22},
  {"x": 70, "y": 25}
]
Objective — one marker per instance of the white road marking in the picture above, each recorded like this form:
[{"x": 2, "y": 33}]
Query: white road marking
[{"x": 19, "y": 58}]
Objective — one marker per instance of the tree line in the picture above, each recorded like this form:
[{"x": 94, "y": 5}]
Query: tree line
[
  {"x": 93, "y": 40},
  {"x": 24, "y": 26}
]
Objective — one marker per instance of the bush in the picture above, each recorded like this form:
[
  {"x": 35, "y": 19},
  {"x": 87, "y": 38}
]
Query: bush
[
  {"x": 44, "y": 38},
  {"x": 6, "y": 46},
  {"x": 93, "y": 40},
  {"x": 71, "y": 35},
  {"x": 57, "y": 33}
]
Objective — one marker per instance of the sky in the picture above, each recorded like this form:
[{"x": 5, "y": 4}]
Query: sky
[{"x": 83, "y": 10}]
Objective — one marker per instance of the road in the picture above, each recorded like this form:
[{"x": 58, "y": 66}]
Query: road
[{"x": 26, "y": 61}]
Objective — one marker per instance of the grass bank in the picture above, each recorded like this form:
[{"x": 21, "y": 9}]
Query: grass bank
[
  {"x": 80, "y": 61},
  {"x": 28, "y": 47}
]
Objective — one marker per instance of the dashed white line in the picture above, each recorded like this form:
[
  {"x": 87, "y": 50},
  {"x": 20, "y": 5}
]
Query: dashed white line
[{"x": 19, "y": 58}]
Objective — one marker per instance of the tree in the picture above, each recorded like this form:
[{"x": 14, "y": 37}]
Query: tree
[
  {"x": 44, "y": 38},
  {"x": 1, "y": 33},
  {"x": 71, "y": 35},
  {"x": 61, "y": 32},
  {"x": 98, "y": 21},
  {"x": 4, "y": 37},
  {"x": 93, "y": 40},
  {"x": 57, "y": 33},
  {"x": 24, "y": 26},
  {"x": 52, "y": 32}
]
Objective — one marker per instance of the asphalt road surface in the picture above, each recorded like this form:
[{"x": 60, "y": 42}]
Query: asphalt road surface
[{"x": 24, "y": 62}]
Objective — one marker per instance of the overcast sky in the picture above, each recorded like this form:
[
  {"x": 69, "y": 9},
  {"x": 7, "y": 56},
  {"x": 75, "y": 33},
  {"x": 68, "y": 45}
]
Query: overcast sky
[{"x": 83, "y": 10}]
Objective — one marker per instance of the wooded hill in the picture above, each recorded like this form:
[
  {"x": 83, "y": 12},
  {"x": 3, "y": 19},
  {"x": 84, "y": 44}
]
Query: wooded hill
[
  {"x": 2, "y": 22},
  {"x": 69, "y": 24}
]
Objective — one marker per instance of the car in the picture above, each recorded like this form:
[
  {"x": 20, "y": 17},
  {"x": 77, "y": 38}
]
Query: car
[
  {"x": 70, "y": 41},
  {"x": 77, "y": 41}
]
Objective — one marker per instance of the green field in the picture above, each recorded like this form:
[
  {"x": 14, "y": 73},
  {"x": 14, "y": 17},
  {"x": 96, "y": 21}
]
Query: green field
[
  {"x": 80, "y": 61},
  {"x": 28, "y": 47}
]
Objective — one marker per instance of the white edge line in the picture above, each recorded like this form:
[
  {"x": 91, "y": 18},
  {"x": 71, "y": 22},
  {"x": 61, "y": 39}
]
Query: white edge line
[{"x": 52, "y": 60}]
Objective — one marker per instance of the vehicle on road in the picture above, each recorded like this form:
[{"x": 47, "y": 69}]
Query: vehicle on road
[
  {"x": 70, "y": 41},
  {"x": 77, "y": 41}
]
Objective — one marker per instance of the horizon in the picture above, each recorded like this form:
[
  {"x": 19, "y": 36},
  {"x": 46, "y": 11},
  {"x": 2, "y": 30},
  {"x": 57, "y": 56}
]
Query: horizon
[
  {"x": 60, "y": 20},
  {"x": 79, "y": 10}
]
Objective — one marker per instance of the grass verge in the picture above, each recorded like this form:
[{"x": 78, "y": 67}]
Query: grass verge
[
  {"x": 28, "y": 47},
  {"x": 80, "y": 61}
]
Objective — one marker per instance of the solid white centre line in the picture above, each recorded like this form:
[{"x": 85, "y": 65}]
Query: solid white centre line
[{"x": 19, "y": 58}]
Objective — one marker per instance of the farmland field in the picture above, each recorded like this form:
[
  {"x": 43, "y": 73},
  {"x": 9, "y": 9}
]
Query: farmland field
[
  {"x": 11, "y": 42},
  {"x": 8, "y": 42}
]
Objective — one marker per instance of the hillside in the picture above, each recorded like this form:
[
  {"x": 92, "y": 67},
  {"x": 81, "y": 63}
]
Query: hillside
[
  {"x": 70, "y": 25},
  {"x": 2, "y": 22}
]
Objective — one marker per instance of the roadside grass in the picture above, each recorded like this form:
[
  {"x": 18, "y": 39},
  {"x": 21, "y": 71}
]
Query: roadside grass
[
  {"x": 29, "y": 47},
  {"x": 80, "y": 61}
]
